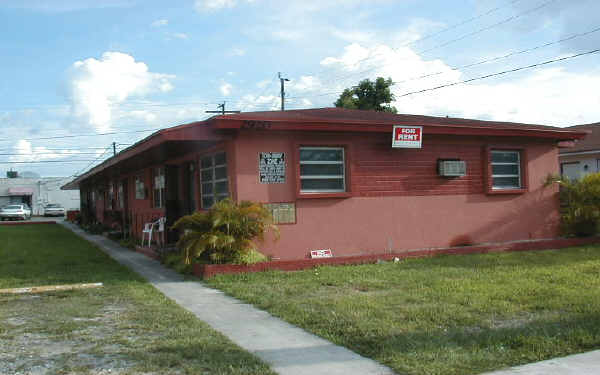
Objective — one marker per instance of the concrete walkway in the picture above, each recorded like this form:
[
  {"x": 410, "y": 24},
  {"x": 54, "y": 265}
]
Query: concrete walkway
[
  {"x": 577, "y": 364},
  {"x": 288, "y": 349}
]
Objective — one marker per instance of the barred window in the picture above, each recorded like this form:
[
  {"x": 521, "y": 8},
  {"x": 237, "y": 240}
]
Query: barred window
[
  {"x": 213, "y": 179},
  {"x": 159, "y": 187},
  {"x": 322, "y": 170}
]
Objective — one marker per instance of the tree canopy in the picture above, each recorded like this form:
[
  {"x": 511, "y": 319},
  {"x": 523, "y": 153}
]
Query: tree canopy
[{"x": 369, "y": 95}]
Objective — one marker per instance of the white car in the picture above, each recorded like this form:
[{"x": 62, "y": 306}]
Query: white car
[
  {"x": 15, "y": 211},
  {"x": 53, "y": 209}
]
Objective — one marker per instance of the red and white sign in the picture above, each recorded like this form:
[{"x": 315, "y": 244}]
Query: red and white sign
[
  {"x": 407, "y": 136},
  {"x": 325, "y": 253}
]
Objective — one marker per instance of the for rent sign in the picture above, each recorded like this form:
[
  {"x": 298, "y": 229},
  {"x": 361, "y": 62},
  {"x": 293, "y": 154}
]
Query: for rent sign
[{"x": 407, "y": 136}]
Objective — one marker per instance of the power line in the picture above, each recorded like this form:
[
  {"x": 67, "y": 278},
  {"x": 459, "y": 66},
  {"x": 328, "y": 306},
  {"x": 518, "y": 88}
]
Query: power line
[
  {"x": 501, "y": 73},
  {"x": 84, "y": 135},
  {"x": 45, "y": 161},
  {"x": 48, "y": 153},
  {"x": 418, "y": 53},
  {"x": 527, "y": 50},
  {"x": 486, "y": 28},
  {"x": 468, "y": 80},
  {"x": 431, "y": 35},
  {"x": 91, "y": 163}
]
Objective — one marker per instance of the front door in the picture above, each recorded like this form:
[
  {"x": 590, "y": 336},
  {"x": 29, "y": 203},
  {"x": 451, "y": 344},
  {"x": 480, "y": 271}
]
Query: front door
[
  {"x": 189, "y": 188},
  {"x": 172, "y": 201}
]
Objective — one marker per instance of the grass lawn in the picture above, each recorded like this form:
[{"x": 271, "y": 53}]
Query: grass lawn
[
  {"x": 442, "y": 315},
  {"x": 126, "y": 327}
]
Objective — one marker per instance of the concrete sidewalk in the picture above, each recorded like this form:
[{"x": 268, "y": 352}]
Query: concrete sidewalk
[
  {"x": 577, "y": 364},
  {"x": 289, "y": 350}
]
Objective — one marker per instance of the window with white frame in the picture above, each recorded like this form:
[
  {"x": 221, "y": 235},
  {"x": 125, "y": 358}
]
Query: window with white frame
[
  {"x": 159, "y": 187},
  {"x": 213, "y": 179},
  {"x": 506, "y": 169},
  {"x": 110, "y": 196},
  {"x": 120, "y": 197},
  {"x": 140, "y": 189},
  {"x": 322, "y": 170}
]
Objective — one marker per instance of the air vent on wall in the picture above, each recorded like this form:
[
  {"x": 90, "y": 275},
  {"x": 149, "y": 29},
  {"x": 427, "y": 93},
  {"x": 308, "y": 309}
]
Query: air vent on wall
[{"x": 452, "y": 168}]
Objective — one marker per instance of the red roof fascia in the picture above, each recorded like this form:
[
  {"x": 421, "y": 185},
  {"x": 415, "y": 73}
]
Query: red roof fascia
[{"x": 360, "y": 126}]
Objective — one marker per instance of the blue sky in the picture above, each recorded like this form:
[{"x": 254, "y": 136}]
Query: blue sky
[{"x": 72, "y": 67}]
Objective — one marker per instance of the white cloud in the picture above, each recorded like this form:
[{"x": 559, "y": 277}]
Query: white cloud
[
  {"x": 237, "y": 52},
  {"x": 212, "y": 5},
  {"x": 96, "y": 87},
  {"x": 226, "y": 88},
  {"x": 25, "y": 152},
  {"x": 305, "y": 83},
  {"x": 259, "y": 103},
  {"x": 179, "y": 35},
  {"x": 160, "y": 23},
  {"x": 553, "y": 96}
]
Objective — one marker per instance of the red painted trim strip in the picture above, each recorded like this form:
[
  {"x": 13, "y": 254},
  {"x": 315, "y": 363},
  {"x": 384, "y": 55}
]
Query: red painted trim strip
[{"x": 210, "y": 270}]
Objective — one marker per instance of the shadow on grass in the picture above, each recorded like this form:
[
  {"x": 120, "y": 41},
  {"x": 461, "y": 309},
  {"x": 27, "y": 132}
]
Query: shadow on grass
[
  {"x": 538, "y": 258},
  {"x": 476, "y": 349}
]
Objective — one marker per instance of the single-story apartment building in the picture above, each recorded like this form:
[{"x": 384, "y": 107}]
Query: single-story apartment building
[
  {"x": 355, "y": 182},
  {"x": 584, "y": 157}
]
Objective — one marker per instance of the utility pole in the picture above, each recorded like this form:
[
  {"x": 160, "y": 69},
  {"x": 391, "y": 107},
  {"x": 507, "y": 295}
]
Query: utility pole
[
  {"x": 222, "y": 110},
  {"x": 114, "y": 144},
  {"x": 282, "y": 80}
]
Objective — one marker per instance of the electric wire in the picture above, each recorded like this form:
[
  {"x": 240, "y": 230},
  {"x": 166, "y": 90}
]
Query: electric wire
[{"x": 500, "y": 73}]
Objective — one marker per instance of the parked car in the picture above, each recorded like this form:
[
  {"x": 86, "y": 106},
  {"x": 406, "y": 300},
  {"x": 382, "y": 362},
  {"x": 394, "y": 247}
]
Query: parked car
[
  {"x": 53, "y": 209},
  {"x": 15, "y": 211}
]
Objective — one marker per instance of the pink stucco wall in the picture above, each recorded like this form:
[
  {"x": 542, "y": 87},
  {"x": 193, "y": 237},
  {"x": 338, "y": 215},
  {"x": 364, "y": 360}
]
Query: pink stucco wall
[{"x": 407, "y": 206}]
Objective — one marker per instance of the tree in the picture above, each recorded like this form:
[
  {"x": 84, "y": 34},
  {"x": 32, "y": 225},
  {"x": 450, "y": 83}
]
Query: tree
[{"x": 369, "y": 95}]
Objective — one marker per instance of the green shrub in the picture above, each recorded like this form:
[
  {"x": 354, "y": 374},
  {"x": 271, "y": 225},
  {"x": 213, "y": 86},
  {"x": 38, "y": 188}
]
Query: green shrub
[
  {"x": 129, "y": 242},
  {"x": 95, "y": 228},
  {"x": 581, "y": 201},
  {"x": 177, "y": 262},
  {"x": 225, "y": 233}
]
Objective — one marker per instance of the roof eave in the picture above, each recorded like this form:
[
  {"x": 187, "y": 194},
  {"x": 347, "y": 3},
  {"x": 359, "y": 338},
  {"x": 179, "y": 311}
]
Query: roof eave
[{"x": 561, "y": 135}]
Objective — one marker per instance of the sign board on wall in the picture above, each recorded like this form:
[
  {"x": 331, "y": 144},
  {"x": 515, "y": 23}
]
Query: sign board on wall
[
  {"x": 407, "y": 136},
  {"x": 271, "y": 167},
  {"x": 322, "y": 253}
]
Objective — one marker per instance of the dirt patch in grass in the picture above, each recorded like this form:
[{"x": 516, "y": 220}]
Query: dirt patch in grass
[
  {"x": 125, "y": 327},
  {"x": 27, "y": 348}
]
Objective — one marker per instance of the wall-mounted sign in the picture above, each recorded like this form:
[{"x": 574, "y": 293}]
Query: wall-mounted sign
[
  {"x": 323, "y": 253},
  {"x": 283, "y": 213},
  {"x": 271, "y": 167},
  {"x": 407, "y": 136}
]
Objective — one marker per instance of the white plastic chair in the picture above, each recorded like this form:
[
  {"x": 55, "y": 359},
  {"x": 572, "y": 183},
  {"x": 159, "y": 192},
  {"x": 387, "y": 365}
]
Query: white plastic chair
[
  {"x": 160, "y": 228},
  {"x": 148, "y": 228}
]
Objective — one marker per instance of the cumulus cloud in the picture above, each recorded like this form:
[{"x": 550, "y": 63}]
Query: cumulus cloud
[
  {"x": 97, "y": 86},
  {"x": 552, "y": 95},
  {"x": 259, "y": 103},
  {"x": 226, "y": 88},
  {"x": 24, "y": 151},
  {"x": 160, "y": 23}
]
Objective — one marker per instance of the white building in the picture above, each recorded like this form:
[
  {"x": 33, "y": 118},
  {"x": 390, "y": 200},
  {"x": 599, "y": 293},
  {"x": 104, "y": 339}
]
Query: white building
[
  {"x": 37, "y": 192},
  {"x": 584, "y": 158}
]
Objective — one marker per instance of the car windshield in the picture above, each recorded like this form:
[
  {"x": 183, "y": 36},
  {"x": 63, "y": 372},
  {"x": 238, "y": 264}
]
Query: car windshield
[
  {"x": 53, "y": 206},
  {"x": 13, "y": 207}
]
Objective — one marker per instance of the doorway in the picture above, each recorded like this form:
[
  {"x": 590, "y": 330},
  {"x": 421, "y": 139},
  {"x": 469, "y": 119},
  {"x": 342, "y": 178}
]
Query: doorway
[
  {"x": 189, "y": 188},
  {"x": 173, "y": 207}
]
